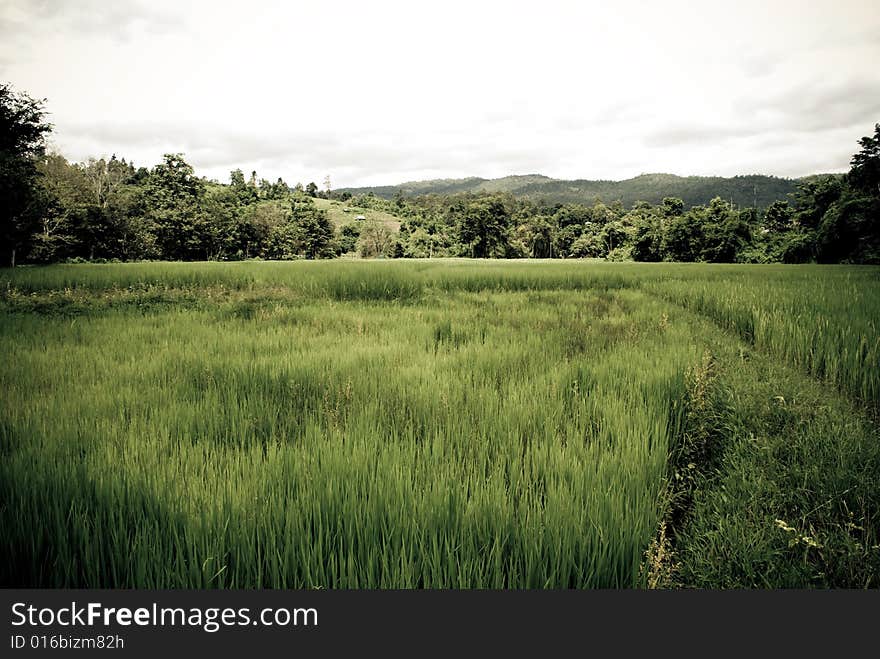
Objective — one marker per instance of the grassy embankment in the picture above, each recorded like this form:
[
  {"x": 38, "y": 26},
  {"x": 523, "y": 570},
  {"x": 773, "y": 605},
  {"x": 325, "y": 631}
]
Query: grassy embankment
[{"x": 342, "y": 213}]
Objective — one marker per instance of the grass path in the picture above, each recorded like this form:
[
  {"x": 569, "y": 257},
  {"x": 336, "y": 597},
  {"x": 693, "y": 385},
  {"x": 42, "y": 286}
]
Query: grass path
[{"x": 784, "y": 493}]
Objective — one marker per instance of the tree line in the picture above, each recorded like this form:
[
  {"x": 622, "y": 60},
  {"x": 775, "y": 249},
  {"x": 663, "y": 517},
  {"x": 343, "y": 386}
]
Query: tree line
[{"x": 108, "y": 209}]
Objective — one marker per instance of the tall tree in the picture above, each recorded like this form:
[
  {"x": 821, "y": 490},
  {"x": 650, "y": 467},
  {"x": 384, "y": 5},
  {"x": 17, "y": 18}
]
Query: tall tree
[
  {"x": 778, "y": 217},
  {"x": 23, "y": 131},
  {"x": 68, "y": 206},
  {"x": 375, "y": 239},
  {"x": 174, "y": 195},
  {"x": 864, "y": 175},
  {"x": 683, "y": 235},
  {"x": 482, "y": 226},
  {"x": 647, "y": 237},
  {"x": 724, "y": 233},
  {"x": 106, "y": 177}
]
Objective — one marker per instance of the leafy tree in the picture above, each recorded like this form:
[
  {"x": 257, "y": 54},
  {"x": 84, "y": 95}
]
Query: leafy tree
[
  {"x": 174, "y": 195},
  {"x": 317, "y": 234},
  {"x": 278, "y": 191},
  {"x": 861, "y": 214},
  {"x": 398, "y": 200},
  {"x": 848, "y": 232},
  {"x": 375, "y": 240},
  {"x": 228, "y": 234},
  {"x": 587, "y": 246},
  {"x": 864, "y": 175},
  {"x": 420, "y": 244},
  {"x": 346, "y": 239},
  {"x": 106, "y": 208},
  {"x": 259, "y": 223},
  {"x": 65, "y": 210},
  {"x": 284, "y": 242},
  {"x": 106, "y": 225},
  {"x": 725, "y": 234},
  {"x": 779, "y": 217},
  {"x": 570, "y": 221},
  {"x": 600, "y": 214},
  {"x": 613, "y": 235},
  {"x": 797, "y": 247},
  {"x": 136, "y": 237},
  {"x": 106, "y": 178},
  {"x": 535, "y": 237},
  {"x": 648, "y": 239},
  {"x": 23, "y": 131},
  {"x": 683, "y": 235},
  {"x": 814, "y": 197},
  {"x": 246, "y": 194},
  {"x": 840, "y": 215},
  {"x": 672, "y": 207},
  {"x": 482, "y": 226}
]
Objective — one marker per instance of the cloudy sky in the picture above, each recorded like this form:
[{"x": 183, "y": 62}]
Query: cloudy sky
[{"x": 382, "y": 92}]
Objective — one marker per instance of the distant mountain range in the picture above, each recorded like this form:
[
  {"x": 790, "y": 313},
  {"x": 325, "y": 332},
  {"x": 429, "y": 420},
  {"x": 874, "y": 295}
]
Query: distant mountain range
[{"x": 749, "y": 190}]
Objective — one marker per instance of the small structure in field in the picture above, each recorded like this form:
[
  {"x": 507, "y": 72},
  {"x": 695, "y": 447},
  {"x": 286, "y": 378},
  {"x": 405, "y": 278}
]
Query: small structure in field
[{"x": 360, "y": 217}]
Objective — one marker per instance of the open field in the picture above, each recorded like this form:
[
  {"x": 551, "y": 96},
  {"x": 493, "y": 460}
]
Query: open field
[
  {"x": 440, "y": 424},
  {"x": 343, "y": 212}
]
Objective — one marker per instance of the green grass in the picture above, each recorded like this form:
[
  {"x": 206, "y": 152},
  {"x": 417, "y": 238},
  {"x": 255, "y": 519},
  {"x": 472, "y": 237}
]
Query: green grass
[
  {"x": 436, "y": 424},
  {"x": 343, "y": 212}
]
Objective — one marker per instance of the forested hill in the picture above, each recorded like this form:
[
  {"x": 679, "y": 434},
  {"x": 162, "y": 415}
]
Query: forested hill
[{"x": 750, "y": 190}]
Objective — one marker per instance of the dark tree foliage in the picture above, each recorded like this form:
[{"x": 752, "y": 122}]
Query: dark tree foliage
[
  {"x": 347, "y": 240},
  {"x": 648, "y": 240},
  {"x": 23, "y": 130},
  {"x": 684, "y": 234},
  {"x": 316, "y": 231},
  {"x": 865, "y": 173},
  {"x": 778, "y": 217},
  {"x": 481, "y": 227},
  {"x": 174, "y": 197}
]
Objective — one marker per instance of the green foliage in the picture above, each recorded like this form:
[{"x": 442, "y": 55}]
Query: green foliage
[
  {"x": 23, "y": 131},
  {"x": 683, "y": 236},
  {"x": 284, "y": 242},
  {"x": 586, "y": 246},
  {"x": 317, "y": 233},
  {"x": 346, "y": 240},
  {"x": 726, "y": 234},
  {"x": 778, "y": 217},
  {"x": 173, "y": 196},
  {"x": 375, "y": 240},
  {"x": 864, "y": 176},
  {"x": 648, "y": 240},
  {"x": 481, "y": 227}
]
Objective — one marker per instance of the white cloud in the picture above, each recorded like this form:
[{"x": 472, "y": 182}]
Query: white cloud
[{"x": 383, "y": 92}]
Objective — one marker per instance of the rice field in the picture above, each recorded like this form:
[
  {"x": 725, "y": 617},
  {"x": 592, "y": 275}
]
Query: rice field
[{"x": 409, "y": 424}]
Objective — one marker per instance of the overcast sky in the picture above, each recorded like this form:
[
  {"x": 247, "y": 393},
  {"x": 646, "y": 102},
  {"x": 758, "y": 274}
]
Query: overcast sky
[{"x": 383, "y": 92}]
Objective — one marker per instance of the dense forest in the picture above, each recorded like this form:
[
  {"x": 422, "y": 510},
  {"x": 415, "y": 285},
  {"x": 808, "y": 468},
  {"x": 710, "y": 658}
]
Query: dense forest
[{"x": 107, "y": 209}]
